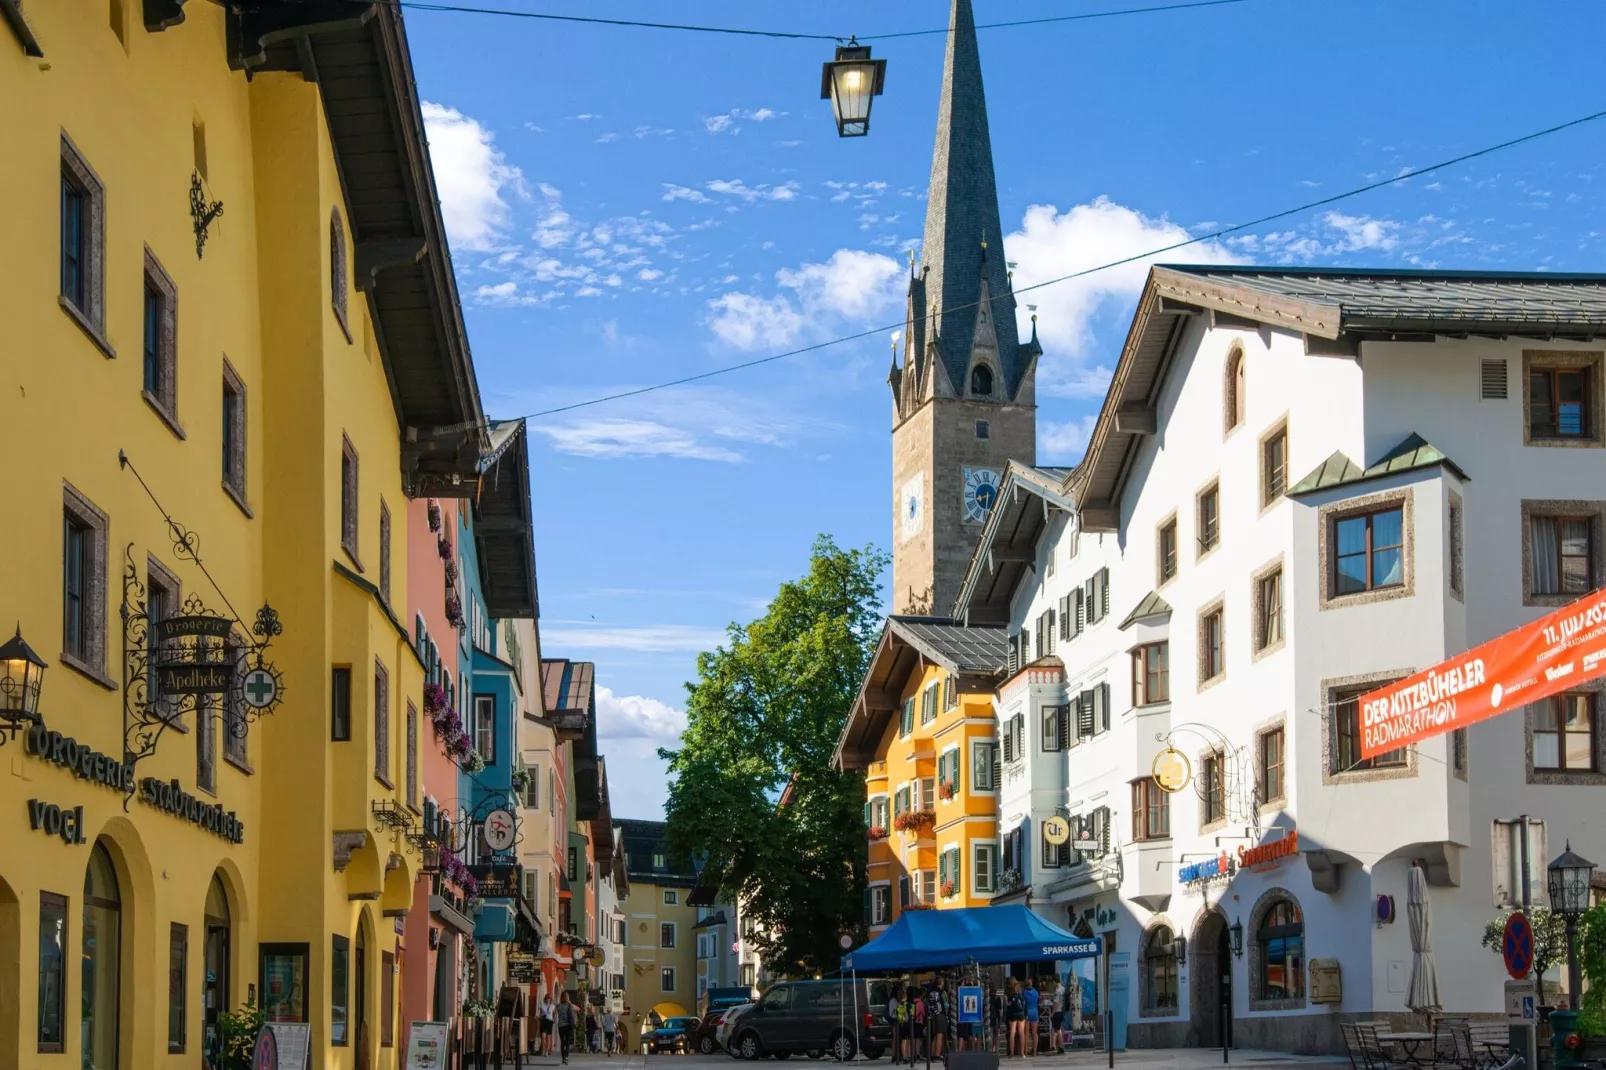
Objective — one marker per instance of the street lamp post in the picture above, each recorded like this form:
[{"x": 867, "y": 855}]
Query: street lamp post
[
  {"x": 1569, "y": 879},
  {"x": 850, "y": 83}
]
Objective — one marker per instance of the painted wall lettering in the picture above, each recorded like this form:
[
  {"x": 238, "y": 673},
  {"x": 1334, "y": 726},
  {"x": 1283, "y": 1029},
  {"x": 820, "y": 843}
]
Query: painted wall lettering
[
  {"x": 181, "y": 804},
  {"x": 53, "y": 820},
  {"x": 85, "y": 763}
]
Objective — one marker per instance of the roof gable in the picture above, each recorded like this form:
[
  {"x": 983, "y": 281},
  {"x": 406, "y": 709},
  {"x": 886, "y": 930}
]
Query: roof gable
[
  {"x": 1413, "y": 453},
  {"x": 1007, "y": 549}
]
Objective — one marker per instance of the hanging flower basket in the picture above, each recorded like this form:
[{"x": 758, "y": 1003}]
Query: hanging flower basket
[
  {"x": 434, "y": 698},
  {"x": 878, "y": 832},
  {"x": 948, "y": 889},
  {"x": 454, "y": 611},
  {"x": 434, "y": 515},
  {"x": 475, "y": 762},
  {"x": 914, "y": 820}
]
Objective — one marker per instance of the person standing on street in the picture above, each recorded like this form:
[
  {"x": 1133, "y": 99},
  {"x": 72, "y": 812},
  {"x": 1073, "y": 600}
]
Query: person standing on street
[
  {"x": 547, "y": 1012},
  {"x": 1057, "y": 1019},
  {"x": 938, "y": 1013},
  {"x": 610, "y": 1026},
  {"x": 1033, "y": 999},
  {"x": 566, "y": 1019}
]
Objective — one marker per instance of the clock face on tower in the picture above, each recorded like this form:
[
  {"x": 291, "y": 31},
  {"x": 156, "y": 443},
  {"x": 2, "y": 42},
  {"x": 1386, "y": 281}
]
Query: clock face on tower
[
  {"x": 981, "y": 492},
  {"x": 912, "y": 506}
]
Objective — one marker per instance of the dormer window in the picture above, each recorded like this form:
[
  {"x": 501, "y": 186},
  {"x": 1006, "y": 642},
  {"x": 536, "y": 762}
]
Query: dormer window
[{"x": 981, "y": 380}]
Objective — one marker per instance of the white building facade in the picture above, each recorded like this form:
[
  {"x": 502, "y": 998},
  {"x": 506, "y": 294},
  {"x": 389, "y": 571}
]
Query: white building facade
[{"x": 1302, "y": 485}]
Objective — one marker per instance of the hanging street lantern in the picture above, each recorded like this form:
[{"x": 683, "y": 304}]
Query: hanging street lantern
[
  {"x": 851, "y": 82},
  {"x": 1236, "y": 931},
  {"x": 1569, "y": 878},
  {"x": 22, "y": 675}
]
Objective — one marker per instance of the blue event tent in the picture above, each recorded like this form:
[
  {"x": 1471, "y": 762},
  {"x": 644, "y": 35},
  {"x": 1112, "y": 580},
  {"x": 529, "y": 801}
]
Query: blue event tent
[{"x": 926, "y": 939}]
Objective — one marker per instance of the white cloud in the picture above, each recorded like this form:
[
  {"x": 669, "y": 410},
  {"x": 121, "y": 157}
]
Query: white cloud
[
  {"x": 471, "y": 176},
  {"x": 735, "y": 187},
  {"x": 673, "y": 192},
  {"x": 718, "y": 124},
  {"x": 649, "y": 274},
  {"x": 637, "y": 716},
  {"x": 650, "y": 638},
  {"x": 1362, "y": 232},
  {"x": 613, "y": 437},
  {"x": 1051, "y": 244},
  {"x": 726, "y": 123},
  {"x": 585, "y": 117},
  {"x": 853, "y": 283},
  {"x": 1064, "y": 443},
  {"x": 748, "y": 322}
]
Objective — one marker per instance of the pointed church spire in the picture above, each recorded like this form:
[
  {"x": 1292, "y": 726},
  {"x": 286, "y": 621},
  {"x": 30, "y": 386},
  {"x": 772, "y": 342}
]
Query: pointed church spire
[{"x": 964, "y": 202}]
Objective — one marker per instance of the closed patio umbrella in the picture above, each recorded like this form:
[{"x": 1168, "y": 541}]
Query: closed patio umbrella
[{"x": 1423, "y": 994}]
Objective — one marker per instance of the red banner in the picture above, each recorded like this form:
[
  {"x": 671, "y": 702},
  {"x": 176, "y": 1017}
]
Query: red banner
[{"x": 1538, "y": 660}]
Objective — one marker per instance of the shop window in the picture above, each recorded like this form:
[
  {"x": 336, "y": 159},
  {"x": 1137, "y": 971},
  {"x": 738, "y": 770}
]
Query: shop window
[
  {"x": 1151, "y": 811},
  {"x": 1151, "y": 674},
  {"x": 233, "y": 444},
  {"x": 1564, "y": 734},
  {"x": 52, "y": 973},
  {"x": 282, "y": 980},
  {"x": 1346, "y": 733},
  {"x": 340, "y": 704},
  {"x": 1269, "y": 765},
  {"x": 100, "y": 994},
  {"x": 382, "y": 724},
  {"x": 1369, "y": 551},
  {"x": 1160, "y": 970},
  {"x": 340, "y": 992},
  {"x": 217, "y": 962},
  {"x": 1280, "y": 964},
  {"x": 160, "y": 343},
  {"x": 178, "y": 951}
]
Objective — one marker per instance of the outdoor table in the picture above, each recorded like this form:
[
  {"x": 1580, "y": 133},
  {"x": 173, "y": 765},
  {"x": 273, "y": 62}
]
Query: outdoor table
[{"x": 1409, "y": 1043}]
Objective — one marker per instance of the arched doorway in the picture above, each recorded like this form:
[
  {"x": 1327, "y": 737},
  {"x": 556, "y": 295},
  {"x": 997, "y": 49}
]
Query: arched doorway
[
  {"x": 218, "y": 962},
  {"x": 10, "y": 951},
  {"x": 1210, "y": 983},
  {"x": 102, "y": 961}
]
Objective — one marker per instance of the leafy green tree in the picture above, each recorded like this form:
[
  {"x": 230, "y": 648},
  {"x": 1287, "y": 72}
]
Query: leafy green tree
[
  {"x": 1550, "y": 938},
  {"x": 754, "y": 798}
]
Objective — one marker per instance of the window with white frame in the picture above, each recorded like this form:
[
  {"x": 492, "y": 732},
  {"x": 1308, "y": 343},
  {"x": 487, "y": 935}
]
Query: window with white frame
[
  {"x": 983, "y": 757},
  {"x": 666, "y": 934},
  {"x": 880, "y": 906},
  {"x": 671, "y": 897},
  {"x": 485, "y": 727},
  {"x": 983, "y": 866}
]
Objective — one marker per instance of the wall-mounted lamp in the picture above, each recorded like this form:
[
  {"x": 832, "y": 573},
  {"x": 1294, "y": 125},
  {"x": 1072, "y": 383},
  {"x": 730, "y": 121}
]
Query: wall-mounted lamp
[
  {"x": 22, "y": 676},
  {"x": 1236, "y": 931},
  {"x": 1180, "y": 946}
]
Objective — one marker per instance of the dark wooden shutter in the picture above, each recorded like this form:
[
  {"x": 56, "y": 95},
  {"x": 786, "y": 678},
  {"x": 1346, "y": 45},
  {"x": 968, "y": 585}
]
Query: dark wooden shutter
[
  {"x": 1051, "y": 633},
  {"x": 1064, "y": 715},
  {"x": 998, "y": 770},
  {"x": 1090, "y": 602},
  {"x": 1014, "y": 653},
  {"x": 1084, "y": 715},
  {"x": 1066, "y": 618},
  {"x": 1104, "y": 592},
  {"x": 1078, "y": 612},
  {"x": 1009, "y": 748},
  {"x": 1102, "y": 703}
]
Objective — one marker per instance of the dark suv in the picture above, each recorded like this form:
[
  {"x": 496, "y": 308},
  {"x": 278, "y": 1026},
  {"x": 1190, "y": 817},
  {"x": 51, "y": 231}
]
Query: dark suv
[{"x": 797, "y": 1017}]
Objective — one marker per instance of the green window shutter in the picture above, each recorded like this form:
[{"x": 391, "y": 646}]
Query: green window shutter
[{"x": 867, "y": 812}]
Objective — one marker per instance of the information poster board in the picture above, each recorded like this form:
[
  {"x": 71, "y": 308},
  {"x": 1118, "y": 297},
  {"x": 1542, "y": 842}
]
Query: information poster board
[
  {"x": 970, "y": 1004},
  {"x": 426, "y": 1046},
  {"x": 294, "y": 1041}
]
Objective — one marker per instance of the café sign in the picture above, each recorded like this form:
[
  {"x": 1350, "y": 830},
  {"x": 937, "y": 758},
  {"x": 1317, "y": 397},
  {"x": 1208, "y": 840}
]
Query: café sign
[{"x": 1268, "y": 855}]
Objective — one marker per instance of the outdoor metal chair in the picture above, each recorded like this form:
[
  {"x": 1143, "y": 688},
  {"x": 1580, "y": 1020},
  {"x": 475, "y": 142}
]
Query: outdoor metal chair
[
  {"x": 1490, "y": 1043},
  {"x": 1352, "y": 1046},
  {"x": 1452, "y": 1044},
  {"x": 1377, "y": 1056}
]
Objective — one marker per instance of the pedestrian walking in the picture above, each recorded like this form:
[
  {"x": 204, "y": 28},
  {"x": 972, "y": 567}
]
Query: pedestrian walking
[
  {"x": 893, "y": 1011},
  {"x": 610, "y": 1026},
  {"x": 565, "y": 1019},
  {"x": 547, "y": 1012},
  {"x": 591, "y": 1030}
]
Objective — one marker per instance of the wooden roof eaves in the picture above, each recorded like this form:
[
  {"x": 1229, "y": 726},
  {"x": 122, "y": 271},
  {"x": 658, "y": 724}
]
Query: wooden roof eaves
[
  {"x": 1015, "y": 479},
  {"x": 1322, "y": 319},
  {"x": 847, "y": 754}
]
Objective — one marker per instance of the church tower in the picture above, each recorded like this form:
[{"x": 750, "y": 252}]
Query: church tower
[{"x": 963, "y": 400}]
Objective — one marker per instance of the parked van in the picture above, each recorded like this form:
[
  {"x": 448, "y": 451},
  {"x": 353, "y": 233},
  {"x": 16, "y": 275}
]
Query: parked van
[{"x": 839, "y": 1017}]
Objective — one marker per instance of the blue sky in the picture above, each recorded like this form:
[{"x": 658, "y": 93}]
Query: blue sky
[{"x": 628, "y": 206}]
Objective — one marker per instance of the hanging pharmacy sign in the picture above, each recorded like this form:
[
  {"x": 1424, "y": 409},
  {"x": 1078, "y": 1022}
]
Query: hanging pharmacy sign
[{"x": 1544, "y": 658}]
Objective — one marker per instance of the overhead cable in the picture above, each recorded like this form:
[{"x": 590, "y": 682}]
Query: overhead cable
[{"x": 1220, "y": 232}]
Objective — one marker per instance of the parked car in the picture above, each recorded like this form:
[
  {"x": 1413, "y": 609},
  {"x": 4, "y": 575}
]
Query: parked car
[
  {"x": 673, "y": 1036},
  {"x": 706, "y": 1039},
  {"x": 839, "y": 1017},
  {"x": 726, "y": 1023}
]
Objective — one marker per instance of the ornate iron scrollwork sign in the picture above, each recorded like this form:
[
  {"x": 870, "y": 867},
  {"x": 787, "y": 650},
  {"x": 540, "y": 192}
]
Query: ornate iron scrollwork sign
[{"x": 202, "y": 212}]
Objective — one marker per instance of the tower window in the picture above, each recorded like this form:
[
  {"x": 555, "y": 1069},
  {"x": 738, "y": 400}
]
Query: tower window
[
  {"x": 981, "y": 380},
  {"x": 982, "y": 430}
]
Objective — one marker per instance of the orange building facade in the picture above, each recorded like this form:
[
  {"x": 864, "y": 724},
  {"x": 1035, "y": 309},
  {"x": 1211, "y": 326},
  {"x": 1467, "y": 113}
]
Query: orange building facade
[{"x": 922, "y": 728}]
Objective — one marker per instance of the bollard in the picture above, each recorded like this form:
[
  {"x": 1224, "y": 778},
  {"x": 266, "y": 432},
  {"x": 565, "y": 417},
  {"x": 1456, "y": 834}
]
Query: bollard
[
  {"x": 928, "y": 1039},
  {"x": 1109, "y": 1036},
  {"x": 1226, "y": 1025}
]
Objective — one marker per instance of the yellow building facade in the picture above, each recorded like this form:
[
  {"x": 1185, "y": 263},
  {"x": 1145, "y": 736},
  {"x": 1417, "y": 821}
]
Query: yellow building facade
[
  {"x": 922, "y": 729},
  {"x": 234, "y": 350},
  {"x": 660, "y": 947}
]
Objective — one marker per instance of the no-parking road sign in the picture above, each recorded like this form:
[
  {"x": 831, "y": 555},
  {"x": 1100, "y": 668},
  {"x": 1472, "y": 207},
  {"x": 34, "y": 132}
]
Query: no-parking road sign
[{"x": 1517, "y": 947}]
